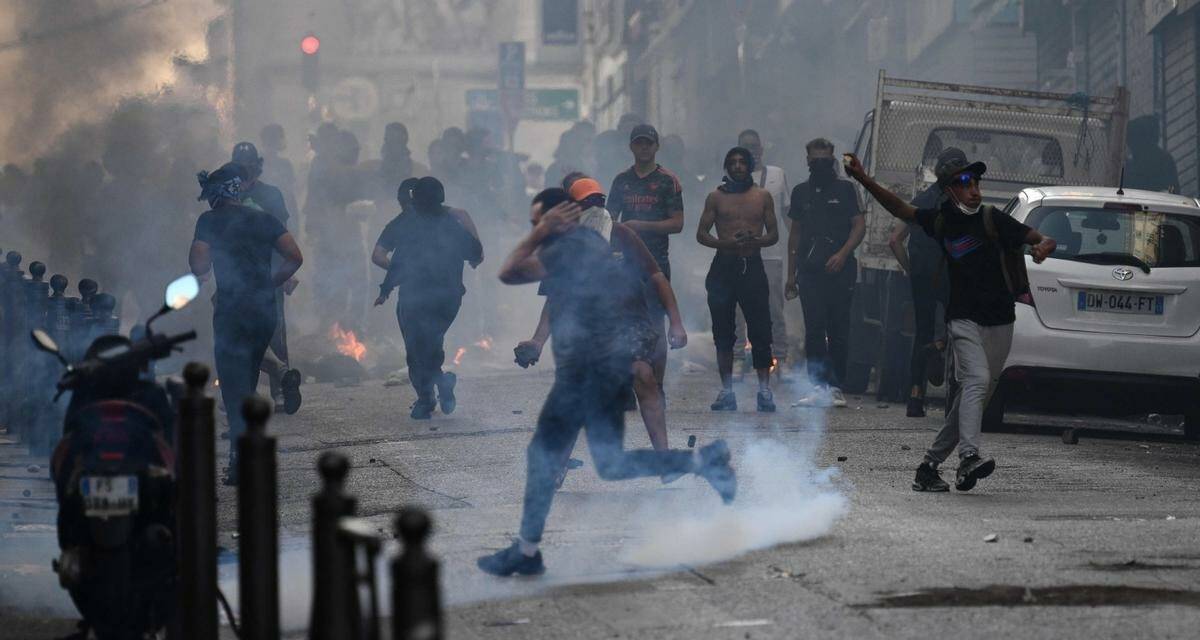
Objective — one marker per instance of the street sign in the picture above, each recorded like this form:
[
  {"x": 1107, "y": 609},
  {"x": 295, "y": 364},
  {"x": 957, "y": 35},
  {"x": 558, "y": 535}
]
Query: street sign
[
  {"x": 539, "y": 104},
  {"x": 510, "y": 82}
]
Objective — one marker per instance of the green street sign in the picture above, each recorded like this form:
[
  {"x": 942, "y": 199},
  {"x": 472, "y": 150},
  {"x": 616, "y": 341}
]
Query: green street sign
[{"x": 540, "y": 104}]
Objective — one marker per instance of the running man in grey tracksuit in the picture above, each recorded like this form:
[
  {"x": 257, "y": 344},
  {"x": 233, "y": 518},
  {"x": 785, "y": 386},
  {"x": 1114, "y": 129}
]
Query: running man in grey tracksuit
[{"x": 980, "y": 316}]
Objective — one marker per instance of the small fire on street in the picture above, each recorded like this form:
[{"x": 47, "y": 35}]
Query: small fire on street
[{"x": 347, "y": 343}]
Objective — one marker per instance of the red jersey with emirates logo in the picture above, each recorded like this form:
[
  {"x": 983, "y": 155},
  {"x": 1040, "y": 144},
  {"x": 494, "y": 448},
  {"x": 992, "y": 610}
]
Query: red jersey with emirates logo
[{"x": 653, "y": 198}]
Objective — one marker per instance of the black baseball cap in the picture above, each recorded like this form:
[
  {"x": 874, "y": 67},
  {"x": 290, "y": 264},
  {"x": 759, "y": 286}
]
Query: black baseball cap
[
  {"x": 952, "y": 162},
  {"x": 644, "y": 131},
  {"x": 245, "y": 153}
]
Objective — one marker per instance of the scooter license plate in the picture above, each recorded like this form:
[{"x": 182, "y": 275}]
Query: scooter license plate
[{"x": 108, "y": 496}]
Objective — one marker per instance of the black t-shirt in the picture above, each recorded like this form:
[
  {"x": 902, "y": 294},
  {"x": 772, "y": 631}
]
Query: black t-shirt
[
  {"x": 587, "y": 292},
  {"x": 428, "y": 252},
  {"x": 825, "y": 210},
  {"x": 652, "y": 198},
  {"x": 241, "y": 242},
  {"x": 924, "y": 253},
  {"x": 265, "y": 197},
  {"x": 977, "y": 288}
]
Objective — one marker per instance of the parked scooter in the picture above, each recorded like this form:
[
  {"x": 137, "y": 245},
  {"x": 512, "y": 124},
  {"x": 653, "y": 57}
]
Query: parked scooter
[{"x": 114, "y": 476}]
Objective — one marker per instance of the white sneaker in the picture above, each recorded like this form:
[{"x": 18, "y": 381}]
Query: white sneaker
[
  {"x": 839, "y": 400},
  {"x": 819, "y": 396}
]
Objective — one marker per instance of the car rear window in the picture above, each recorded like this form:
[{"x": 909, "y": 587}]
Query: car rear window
[{"x": 1158, "y": 239}]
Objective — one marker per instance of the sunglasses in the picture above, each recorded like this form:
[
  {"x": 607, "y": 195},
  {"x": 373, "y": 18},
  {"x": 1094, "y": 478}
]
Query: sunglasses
[{"x": 965, "y": 179}]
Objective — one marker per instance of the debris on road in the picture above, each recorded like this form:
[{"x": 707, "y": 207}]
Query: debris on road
[
  {"x": 692, "y": 367},
  {"x": 396, "y": 378},
  {"x": 1070, "y": 436},
  {"x": 1028, "y": 539},
  {"x": 33, "y": 468},
  {"x": 778, "y": 572},
  {"x": 506, "y": 623},
  {"x": 761, "y": 622},
  {"x": 991, "y": 537},
  {"x": 905, "y": 447},
  {"x": 692, "y": 441},
  {"x": 842, "y": 458}
]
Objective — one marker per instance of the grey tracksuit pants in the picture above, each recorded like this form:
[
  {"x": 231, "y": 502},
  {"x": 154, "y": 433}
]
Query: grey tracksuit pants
[{"x": 977, "y": 354}]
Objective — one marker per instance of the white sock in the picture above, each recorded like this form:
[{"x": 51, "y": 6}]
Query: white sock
[{"x": 528, "y": 549}]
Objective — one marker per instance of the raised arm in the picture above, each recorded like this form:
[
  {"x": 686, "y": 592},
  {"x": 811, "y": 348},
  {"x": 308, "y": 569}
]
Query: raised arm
[
  {"x": 894, "y": 204},
  {"x": 522, "y": 265}
]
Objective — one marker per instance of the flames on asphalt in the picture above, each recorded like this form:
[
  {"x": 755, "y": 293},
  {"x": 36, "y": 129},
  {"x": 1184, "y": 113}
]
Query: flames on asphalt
[
  {"x": 483, "y": 345},
  {"x": 347, "y": 343}
]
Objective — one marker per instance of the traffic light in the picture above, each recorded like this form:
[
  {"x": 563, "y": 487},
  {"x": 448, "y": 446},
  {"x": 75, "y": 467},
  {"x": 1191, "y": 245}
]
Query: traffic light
[{"x": 310, "y": 76}]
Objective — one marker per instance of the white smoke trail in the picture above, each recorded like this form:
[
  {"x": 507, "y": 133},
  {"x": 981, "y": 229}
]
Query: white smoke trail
[{"x": 783, "y": 498}]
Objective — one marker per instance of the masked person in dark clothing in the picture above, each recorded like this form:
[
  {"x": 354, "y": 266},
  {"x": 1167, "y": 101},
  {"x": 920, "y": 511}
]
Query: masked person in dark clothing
[
  {"x": 1149, "y": 167},
  {"x": 827, "y": 226},
  {"x": 977, "y": 241},
  {"x": 256, "y": 194},
  {"x": 429, "y": 246},
  {"x": 236, "y": 242},
  {"x": 380, "y": 256},
  {"x": 744, "y": 214},
  {"x": 922, "y": 261},
  {"x": 588, "y": 293}
]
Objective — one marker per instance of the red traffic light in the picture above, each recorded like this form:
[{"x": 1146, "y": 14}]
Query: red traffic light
[{"x": 310, "y": 44}]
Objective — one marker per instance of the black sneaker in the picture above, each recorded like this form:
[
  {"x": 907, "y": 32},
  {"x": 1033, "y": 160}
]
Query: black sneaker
[
  {"x": 714, "y": 467},
  {"x": 972, "y": 469},
  {"x": 726, "y": 401},
  {"x": 422, "y": 409},
  {"x": 289, "y": 385},
  {"x": 929, "y": 479},
  {"x": 508, "y": 561},
  {"x": 445, "y": 388},
  {"x": 916, "y": 408},
  {"x": 766, "y": 402}
]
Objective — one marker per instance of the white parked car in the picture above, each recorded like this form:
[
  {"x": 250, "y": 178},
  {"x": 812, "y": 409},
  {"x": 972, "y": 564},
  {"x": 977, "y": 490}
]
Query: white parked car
[{"x": 1114, "y": 324}]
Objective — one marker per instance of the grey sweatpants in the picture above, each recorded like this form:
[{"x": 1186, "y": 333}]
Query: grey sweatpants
[{"x": 977, "y": 354}]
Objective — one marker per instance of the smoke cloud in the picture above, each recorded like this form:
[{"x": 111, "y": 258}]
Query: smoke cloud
[
  {"x": 783, "y": 498},
  {"x": 72, "y": 61}
]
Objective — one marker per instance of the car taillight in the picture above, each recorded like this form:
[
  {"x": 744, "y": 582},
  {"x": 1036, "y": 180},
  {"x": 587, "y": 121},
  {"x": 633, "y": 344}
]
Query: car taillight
[{"x": 1026, "y": 298}]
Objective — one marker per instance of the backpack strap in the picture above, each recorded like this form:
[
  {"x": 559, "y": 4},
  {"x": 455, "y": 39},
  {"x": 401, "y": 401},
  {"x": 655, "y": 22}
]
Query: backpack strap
[{"x": 989, "y": 227}]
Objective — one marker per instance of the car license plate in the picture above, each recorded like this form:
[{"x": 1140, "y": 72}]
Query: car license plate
[
  {"x": 107, "y": 496},
  {"x": 1119, "y": 302}
]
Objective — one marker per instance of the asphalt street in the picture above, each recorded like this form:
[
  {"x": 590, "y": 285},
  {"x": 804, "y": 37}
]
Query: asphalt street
[{"x": 1095, "y": 540}]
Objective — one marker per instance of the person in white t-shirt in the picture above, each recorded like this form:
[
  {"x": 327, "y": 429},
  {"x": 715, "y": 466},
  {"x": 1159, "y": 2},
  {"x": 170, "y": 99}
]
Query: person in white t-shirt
[{"x": 774, "y": 180}]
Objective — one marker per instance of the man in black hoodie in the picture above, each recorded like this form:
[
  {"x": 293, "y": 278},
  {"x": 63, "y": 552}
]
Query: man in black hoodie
[{"x": 428, "y": 247}]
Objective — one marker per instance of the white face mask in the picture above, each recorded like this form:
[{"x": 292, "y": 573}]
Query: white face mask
[{"x": 970, "y": 211}]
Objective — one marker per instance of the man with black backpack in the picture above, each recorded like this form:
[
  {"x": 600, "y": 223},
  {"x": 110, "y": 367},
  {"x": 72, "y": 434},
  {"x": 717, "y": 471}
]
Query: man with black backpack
[{"x": 984, "y": 253}]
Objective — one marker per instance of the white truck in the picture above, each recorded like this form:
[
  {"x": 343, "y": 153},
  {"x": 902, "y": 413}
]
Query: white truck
[{"x": 1027, "y": 139}]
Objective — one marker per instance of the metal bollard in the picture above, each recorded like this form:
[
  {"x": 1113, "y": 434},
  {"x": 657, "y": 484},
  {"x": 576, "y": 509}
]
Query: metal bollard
[
  {"x": 104, "y": 323},
  {"x": 38, "y": 388},
  {"x": 258, "y": 525},
  {"x": 58, "y": 320},
  {"x": 18, "y": 348},
  {"x": 9, "y": 340},
  {"x": 335, "y": 597},
  {"x": 195, "y": 442},
  {"x": 416, "y": 594}
]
